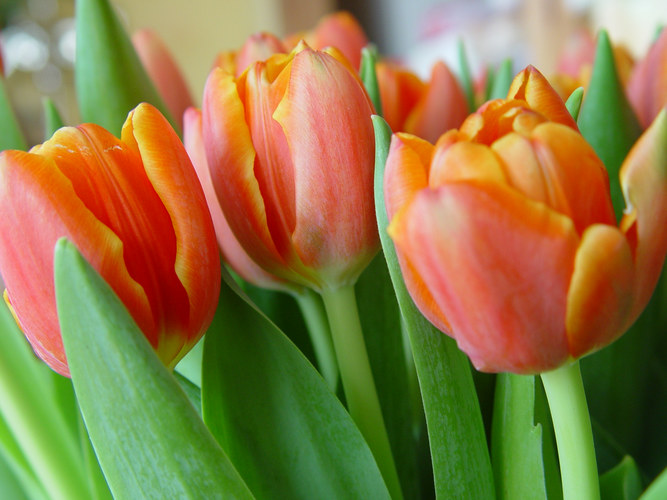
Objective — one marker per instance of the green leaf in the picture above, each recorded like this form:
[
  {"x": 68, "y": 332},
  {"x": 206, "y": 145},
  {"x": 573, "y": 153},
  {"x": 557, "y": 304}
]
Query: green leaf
[
  {"x": 606, "y": 119},
  {"x": 657, "y": 490},
  {"x": 369, "y": 56},
  {"x": 502, "y": 80},
  {"x": 110, "y": 80},
  {"x": 381, "y": 324},
  {"x": 274, "y": 415},
  {"x": 52, "y": 119},
  {"x": 573, "y": 103},
  {"x": 11, "y": 136},
  {"x": 148, "y": 438},
  {"x": 34, "y": 418},
  {"x": 465, "y": 76},
  {"x": 623, "y": 482},
  {"x": 517, "y": 440},
  {"x": 461, "y": 464}
]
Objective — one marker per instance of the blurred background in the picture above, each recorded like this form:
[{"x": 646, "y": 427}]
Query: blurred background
[{"x": 38, "y": 38}]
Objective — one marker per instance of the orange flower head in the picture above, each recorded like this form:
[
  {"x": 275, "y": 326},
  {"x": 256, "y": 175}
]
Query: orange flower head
[
  {"x": 426, "y": 110},
  {"x": 137, "y": 213},
  {"x": 291, "y": 152},
  {"x": 506, "y": 234}
]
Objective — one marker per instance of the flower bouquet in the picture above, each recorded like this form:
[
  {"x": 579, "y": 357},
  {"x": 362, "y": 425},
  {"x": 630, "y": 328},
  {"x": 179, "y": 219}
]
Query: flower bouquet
[{"x": 335, "y": 279}]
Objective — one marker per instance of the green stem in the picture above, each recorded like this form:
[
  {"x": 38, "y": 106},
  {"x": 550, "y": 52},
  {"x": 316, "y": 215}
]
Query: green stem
[
  {"x": 35, "y": 420},
  {"x": 357, "y": 378},
  {"x": 318, "y": 328},
  {"x": 574, "y": 436}
]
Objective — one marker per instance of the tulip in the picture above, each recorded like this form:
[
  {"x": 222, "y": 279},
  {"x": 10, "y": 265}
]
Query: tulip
[
  {"x": 340, "y": 30},
  {"x": 507, "y": 237},
  {"x": 257, "y": 47},
  {"x": 163, "y": 72},
  {"x": 647, "y": 88},
  {"x": 292, "y": 167},
  {"x": 137, "y": 213},
  {"x": 425, "y": 110}
]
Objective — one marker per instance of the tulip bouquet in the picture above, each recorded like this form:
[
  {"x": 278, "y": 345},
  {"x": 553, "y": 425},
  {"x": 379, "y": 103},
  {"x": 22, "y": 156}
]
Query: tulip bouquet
[{"x": 334, "y": 280}]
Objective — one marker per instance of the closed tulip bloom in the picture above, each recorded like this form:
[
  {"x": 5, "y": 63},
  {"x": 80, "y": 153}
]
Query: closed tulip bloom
[
  {"x": 507, "y": 237},
  {"x": 291, "y": 152},
  {"x": 135, "y": 210},
  {"x": 163, "y": 72},
  {"x": 647, "y": 88},
  {"x": 426, "y": 110}
]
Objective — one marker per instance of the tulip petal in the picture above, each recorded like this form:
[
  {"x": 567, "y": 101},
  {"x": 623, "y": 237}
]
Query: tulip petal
[
  {"x": 644, "y": 183},
  {"x": 400, "y": 91},
  {"x": 531, "y": 86},
  {"x": 465, "y": 161},
  {"x": 31, "y": 184},
  {"x": 600, "y": 297},
  {"x": 647, "y": 88},
  {"x": 577, "y": 184},
  {"x": 195, "y": 261},
  {"x": 442, "y": 107},
  {"x": 406, "y": 171},
  {"x": 480, "y": 249},
  {"x": 232, "y": 251},
  {"x": 231, "y": 159},
  {"x": 329, "y": 207}
]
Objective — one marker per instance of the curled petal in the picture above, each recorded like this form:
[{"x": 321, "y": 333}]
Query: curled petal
[
  {"x": 231, "y": 157},
  {"x": 232, "y": 251},
  {"x": 170, "y": 172},
  {"x": 600, "y": 297},
  {"x": 644, "y": 183},
  {"x": 531, "y": 86},
  {"x": 465, "y": 161},
  {"x": 480, "y": 249}
]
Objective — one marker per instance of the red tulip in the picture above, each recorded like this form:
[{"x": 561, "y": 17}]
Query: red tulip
[
  {"x": 647, "y": 88},
  {"x": 425, "y": 110},
  {"x": 290, "y": 148},
  {"x": 135, "y": 210},
  {"x": 507, "y": 237},
  {"x": 163, "y": 72}
]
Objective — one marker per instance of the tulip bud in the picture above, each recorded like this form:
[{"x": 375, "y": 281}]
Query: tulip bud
[
  {"x": 134, "y": 209},
  {"x": 507, "y": 237},
  {"x": 163, "y": 72},
  {"x": 290, "y": 149},
  {"x": 426, "y": 110}
]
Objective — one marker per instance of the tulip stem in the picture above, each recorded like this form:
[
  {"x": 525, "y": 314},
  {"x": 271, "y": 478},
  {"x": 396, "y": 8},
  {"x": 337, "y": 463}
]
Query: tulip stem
[
  {"x": 574, "y": 435},
  {"x": 357, "y": 378},
  {"x": 320, "y": 335}
]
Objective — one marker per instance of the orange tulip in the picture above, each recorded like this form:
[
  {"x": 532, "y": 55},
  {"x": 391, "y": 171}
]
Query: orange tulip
[
  {"x": 135, "y": 210},
  {"x": 507, "y": 237},
  {"x": 425, "y": 110},
  {"x": 340, "y": 30},
  {"x": 290, "y": 148},
  {"x": 647, "y": 88},
  {"x": 163, "y": 72}
]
